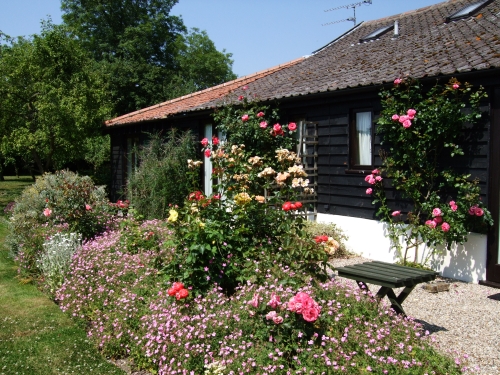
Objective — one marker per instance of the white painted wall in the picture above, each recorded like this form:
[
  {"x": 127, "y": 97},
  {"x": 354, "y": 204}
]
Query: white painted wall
[{"x": 367, "y": 238}]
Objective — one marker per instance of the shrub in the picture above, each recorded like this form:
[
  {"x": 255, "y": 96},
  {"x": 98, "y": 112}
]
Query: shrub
[
  {"x": 55, "y": 260},
  {"x": 268, "y": 327},
  {"x": 434, "y": 128},
  {"x": 331, "y": 230},
  {"x": 258, "y": 184},
  {"x": 59, "y": 202},
  {"x": 160, "y": 179}
]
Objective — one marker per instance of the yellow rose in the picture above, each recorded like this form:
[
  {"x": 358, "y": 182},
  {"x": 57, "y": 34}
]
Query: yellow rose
[{"x": 173, "y": 216}]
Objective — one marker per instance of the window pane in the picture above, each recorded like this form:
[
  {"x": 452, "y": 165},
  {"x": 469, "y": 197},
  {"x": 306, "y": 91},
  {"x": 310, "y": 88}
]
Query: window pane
[{"x": 364, "y": 138}]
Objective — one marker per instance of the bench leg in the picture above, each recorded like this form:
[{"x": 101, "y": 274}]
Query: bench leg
[{"x": 396, "y": 301}]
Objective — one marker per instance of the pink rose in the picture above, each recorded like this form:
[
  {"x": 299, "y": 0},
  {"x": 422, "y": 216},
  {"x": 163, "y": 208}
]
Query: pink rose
[
  {"x": 397, "y": 81},
  {"x": 455, "y": 86},
  {"x": 411, "y": 112},
  {"x": 369, "y": 177},
  {"x": 204, "y": 142},
  {"x": 263, "y": 124},
  {"x": 454, "y": 207},
  {"x": 369, "y": 191},
  {"x": 240, "y": 98},
  {"x": 275, "y": 301},
  {"x": 255, "y": 300},
  {"x": 438, "y": 219},
  {"x": 88, "y": 207},
  {"x": 292, "y": 126},
  {"x": 310, "y": 315},
  {"x": 208, "y": 153},
  {"x": 452, "y": 203},
  {"x": 378, "y": 178},
  {"x": 270, "y": 315},
  {"x": 472, "y": 210},
  {"x": 215, "y": 141},
  {"x": 479, "y": 212},
  {"x": 372, "y": 181},
  {"x": 431, "y": 224},
  {"x": 396, "y": 213},
  {"x": 395, "y": 117},
  {"x": 445, "y": 227},
  {"x": 436, "y": 212},
  {"x": 278, "y": 319},
  {"x": 244, "y": 88},
  {"x": 260, "y": 114},
  {"x": 47, "y": 212},
  {"x": 375, "y": 171},
  {"x": 244, "y": 118},
  {"x": 407, "y": 124},
  {"x": 277, "y": 128},
  {"x": 291, "y": 304},
  {"x": 403, "y": 118}
]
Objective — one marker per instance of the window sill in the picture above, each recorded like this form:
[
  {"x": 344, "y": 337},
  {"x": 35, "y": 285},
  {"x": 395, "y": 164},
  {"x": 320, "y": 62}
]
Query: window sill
[{"x": 359, "y": 171}]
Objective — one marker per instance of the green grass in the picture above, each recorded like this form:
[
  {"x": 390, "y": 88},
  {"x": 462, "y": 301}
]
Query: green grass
[{"x": 36, "y": 337}]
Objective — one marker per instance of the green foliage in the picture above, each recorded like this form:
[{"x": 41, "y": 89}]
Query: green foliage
[
  {"x": 147, "y": 54},
  {"x": 63, "y": 201},
  {"x": 55, "y": 259},
  {"x": 200, "y": 65},
  {"x": 445, "y": 202},
  {"x": 52, "y": 98},
  {"x": 314, "y": 229},
  {"x": 246, "y": 219},
  {"x": 160, "y": 179}
]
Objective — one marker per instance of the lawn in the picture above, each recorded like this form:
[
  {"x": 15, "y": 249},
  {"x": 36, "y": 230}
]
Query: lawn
[{"x": 35, "y": 336}]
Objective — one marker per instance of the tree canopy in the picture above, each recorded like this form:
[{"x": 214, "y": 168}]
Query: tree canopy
[
  {"x": 52, "y": 97},
  {"x": 148, "y": 54}
]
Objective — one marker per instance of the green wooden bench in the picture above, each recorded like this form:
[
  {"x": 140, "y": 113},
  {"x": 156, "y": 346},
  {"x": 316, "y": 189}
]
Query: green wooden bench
[{"x": 388, "y": 276}]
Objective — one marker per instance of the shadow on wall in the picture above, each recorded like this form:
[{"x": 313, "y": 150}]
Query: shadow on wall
[{"x": 465, "y": 262}]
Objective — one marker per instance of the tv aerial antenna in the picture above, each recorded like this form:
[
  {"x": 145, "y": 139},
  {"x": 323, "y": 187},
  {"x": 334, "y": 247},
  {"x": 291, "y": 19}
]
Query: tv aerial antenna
[{"x": 353, "y": 6}]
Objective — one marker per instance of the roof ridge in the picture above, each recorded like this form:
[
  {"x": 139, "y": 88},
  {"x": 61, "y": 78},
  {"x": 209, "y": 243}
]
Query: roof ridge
[{"x": 209, "y": 89}]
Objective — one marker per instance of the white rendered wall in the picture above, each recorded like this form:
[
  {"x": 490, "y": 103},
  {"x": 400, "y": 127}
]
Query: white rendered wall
[{"x": 367, "y": 238}]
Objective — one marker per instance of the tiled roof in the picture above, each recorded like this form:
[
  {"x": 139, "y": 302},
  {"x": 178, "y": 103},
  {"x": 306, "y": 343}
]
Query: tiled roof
[
  {"x": 195, "y": 101},
  {"x": 426, "y": 47}
]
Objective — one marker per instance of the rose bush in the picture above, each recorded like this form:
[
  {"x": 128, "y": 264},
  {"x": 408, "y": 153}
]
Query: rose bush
[
  {"x": 445, "y": 202},
  {"x": 258, "y": 184}
]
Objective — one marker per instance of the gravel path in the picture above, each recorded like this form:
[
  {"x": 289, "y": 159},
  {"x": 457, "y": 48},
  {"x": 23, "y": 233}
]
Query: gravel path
[{"x": 464, "y": 320}]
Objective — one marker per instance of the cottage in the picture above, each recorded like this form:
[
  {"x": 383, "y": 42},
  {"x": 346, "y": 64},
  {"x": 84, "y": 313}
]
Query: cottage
[{"x": 336, "y": 87}]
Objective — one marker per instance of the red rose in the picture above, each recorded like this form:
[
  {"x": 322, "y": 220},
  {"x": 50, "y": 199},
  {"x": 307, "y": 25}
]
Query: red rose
[
  {"x": 208, "y": 153},
  {"x": 204, "y": 142},
  {"x": 215, "y": 141},
  {"x": 177, "y": 286},
  {"x": 298, "y": 205},
  {"x": 287, "y": 206},
  {"x": 183, "y": 293},
  {"x": 293, "y": 206},
  {"x": 292, "y": 126}
]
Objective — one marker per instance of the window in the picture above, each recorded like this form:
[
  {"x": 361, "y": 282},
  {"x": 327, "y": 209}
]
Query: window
[
  {"x": 361, "y": 140},
  {"x": 132, "y": 157},
  {"x": 467, "y": 11},
  {"x": 376, "y": 34}
]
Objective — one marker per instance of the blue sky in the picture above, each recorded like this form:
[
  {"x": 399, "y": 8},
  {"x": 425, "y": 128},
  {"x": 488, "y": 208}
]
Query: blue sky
[{"x": 259, "y": 33}]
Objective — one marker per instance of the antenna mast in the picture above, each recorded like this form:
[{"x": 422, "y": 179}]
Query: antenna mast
[{"x": 353, "y": 6}]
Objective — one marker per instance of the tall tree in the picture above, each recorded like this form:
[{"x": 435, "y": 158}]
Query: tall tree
[
  {"x": 200, "y": 64},
  {"x": 144, "y": 50},
  {"x": 52, "y": 97}
]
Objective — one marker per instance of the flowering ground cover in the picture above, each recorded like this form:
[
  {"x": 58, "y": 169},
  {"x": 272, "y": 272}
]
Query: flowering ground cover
[
  {"x": 261, "y": 328},
  {"x": 35, "y": 336}
]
